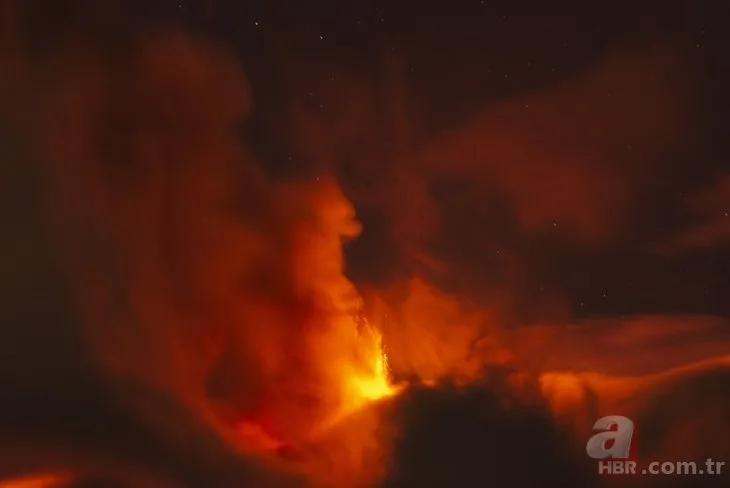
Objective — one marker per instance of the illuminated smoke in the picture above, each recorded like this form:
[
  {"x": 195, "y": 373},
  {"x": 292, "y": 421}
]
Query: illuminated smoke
[
  {"x": 195, "y": 277},
  {"x": 200, "y": 279}
]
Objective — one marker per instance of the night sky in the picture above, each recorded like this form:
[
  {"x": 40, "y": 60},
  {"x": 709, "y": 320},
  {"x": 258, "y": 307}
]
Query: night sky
[
  {"x": 551, "y": 162},
  {"x": 456, "y": 61},
  {"x": 428, "y": 71}
]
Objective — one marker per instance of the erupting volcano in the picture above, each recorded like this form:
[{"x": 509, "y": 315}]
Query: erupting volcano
[{"x": 270, "y": 246}]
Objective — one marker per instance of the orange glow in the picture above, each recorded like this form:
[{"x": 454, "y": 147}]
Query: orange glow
[
  {"x": 434, "y": 336},
  {"x": 253, "y": 434},
  {"x": 318, "y": 362},
  {"x": 377, "y": 385},
  {"x": 201, "y": 279},
  {"x": 374, "y": 383},
  {"x": 36, "y": 481}
]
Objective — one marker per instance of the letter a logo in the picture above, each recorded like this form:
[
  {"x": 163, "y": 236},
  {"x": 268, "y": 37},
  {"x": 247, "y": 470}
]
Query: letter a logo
[{"x": 613, "y": 440}]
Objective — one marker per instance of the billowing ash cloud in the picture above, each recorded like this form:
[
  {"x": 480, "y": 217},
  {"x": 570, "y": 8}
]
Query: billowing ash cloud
[{"x": 210, "y": 301}]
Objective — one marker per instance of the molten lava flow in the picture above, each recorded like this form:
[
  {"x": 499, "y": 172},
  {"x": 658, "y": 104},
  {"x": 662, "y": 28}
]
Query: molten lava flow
[
  {"x": 345, "y": 447},
  {"x": 361, "y": 382},
  {"x": 378, "y": 385},
  {"x": 375, "y": 382}
]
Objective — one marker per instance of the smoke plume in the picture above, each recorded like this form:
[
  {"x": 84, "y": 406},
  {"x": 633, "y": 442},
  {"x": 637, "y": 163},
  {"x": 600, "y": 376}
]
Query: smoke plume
[{"x": 161, "y": 279}]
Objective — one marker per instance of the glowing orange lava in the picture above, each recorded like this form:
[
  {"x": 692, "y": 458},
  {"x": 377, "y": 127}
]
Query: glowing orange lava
[
  {"x": 364, "y": 381},
  {"x": 359, "y": 379},
  {"x": 375, "y": 382},
  {"x": 377, "y": 385}
]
